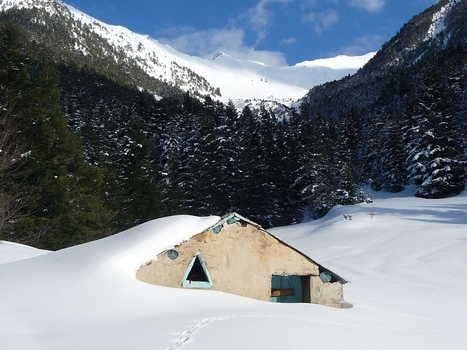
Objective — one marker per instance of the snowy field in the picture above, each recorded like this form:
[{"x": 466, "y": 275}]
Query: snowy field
[{"x": 406, "y": 259}]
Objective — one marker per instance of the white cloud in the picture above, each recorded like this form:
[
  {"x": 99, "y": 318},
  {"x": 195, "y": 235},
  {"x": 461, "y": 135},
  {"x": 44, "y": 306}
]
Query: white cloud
[
  {"x": 289, "y": 41},
  {"x": 322, "y": 20},
  {"x": 368, "y": 5},
  {"x": 306, "y": 4},
  {"x": 231, "y": 39},
  {"x": 207, "y": 43},
  {"x": 260, "y": 17}
]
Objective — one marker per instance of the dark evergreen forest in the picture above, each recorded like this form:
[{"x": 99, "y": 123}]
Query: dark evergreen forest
[
  {"x": 85, "y": 155},
  {"x": 49, "y": 193}
]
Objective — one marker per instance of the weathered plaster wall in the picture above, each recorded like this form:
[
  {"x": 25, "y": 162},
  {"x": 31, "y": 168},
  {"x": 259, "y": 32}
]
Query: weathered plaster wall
[
  {"x": 329, "y": 294},
  {"x": 240, "y": 260}
]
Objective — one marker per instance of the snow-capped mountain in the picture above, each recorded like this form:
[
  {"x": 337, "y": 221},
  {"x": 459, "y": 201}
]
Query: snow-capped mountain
[{"x": 223, "y": 76}]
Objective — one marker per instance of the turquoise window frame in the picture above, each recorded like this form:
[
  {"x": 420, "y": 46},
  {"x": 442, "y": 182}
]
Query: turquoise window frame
[{"x": 197, "y": 284}]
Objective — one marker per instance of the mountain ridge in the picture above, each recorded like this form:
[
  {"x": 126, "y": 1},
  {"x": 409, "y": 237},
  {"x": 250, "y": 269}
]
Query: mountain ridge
[
  {"x": 417, "y": 41},
  {"x": 252, "y": 80}
]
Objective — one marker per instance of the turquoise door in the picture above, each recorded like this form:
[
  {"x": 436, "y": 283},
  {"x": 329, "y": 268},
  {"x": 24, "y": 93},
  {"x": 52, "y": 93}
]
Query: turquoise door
[{"x": 286, "y": 289}]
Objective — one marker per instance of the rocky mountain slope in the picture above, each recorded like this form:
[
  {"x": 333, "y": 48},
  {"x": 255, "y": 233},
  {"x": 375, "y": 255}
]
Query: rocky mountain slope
[
  {"x": 147, "y": 64},
  {"x": 426, "y": 38},
  {"x": 408, "y": 105}
]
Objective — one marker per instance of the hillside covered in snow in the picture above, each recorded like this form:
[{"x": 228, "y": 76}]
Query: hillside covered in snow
[
  {"x": 222, "y": 77},
  {"x": 405, "y": 258}
]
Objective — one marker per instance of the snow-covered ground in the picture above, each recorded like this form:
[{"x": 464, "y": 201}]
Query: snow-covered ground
[{"x": 406, "y": 259}]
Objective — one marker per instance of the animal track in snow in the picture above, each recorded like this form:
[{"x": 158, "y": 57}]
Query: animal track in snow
[{"x": 185, "y": 336}]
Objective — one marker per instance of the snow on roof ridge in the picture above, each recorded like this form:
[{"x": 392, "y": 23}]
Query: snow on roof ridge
[{"x": 138, "y": 245}]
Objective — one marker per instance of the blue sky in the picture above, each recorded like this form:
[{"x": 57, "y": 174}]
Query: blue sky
[{"x": 276, "y": 32}]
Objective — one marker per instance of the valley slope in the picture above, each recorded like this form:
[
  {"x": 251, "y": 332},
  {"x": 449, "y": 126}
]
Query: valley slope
[{"x": 223, "y": 77}]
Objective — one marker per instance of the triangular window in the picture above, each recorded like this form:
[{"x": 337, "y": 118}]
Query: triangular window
[{"x": 197, "y": 275}]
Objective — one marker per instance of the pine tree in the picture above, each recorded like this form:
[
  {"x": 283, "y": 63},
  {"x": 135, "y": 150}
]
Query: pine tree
[
  {"x": 190, "y": 157},
  {"x": 11, "y": 157},
  {"x": 141, "y": 195},
  {"x": 370, "y": 152},
  {"x": 267, "y": 168},
  {"x": 244, "y": 197},
  {"x": 316, "y": 178},
  {"x": 434, "y": 158},
  {"x": 173, "y": 190},
  {"x": 347, "y": 146},
  {"x": 392, "y": 165},
  {"x": 285, "y": 199},
  {"x": 170, "y": 150},
  {"x": 212, "y": 150},
  {"x": 226, "y": 157}
]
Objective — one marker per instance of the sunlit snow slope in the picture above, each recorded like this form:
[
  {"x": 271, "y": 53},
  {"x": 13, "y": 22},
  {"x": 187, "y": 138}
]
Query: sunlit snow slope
[{"x": 236, "y": 79}]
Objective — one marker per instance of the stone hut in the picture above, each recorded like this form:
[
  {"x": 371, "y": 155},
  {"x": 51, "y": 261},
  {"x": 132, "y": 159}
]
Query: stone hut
[{"x": 238, "y": 256}]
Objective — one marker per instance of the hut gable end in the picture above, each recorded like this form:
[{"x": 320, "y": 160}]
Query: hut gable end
[{"x": 238, "y": 256}]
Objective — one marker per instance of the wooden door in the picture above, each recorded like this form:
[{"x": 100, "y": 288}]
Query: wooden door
[{"x": 286, "y": 289}]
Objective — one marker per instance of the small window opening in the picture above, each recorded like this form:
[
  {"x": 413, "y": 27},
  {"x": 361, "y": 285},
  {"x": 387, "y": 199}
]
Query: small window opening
[
  {"x": 197, "y": 274},
  {"x": 327, "y": 276},
  {"x": 216, "y": 229},
  {"x": 232, "y": 220},
  {"x": 172, "y": 254}
]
